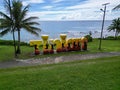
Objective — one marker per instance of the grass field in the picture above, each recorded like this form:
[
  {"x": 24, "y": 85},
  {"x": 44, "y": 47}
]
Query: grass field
[
  {"x": 96, "y": 74},
  {"x": 7, "y": 52}
]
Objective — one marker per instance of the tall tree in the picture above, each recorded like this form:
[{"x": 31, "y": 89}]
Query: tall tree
[
  {"x": 115, "y": 26},
  {"x": 22, "y": 22},
  {"x": 6, "y": 22},
  {"x": 17, "y": 20}
]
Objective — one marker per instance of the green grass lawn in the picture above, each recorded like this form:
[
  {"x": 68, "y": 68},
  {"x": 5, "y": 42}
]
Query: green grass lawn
[
  {"x": 106, "y": 46},
  {"x": 96, "y": 74},
  {"x": 7, "y": 52}
]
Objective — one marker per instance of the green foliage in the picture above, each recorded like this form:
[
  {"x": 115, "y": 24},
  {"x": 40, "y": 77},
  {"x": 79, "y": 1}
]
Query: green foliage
[
  {"x": 96, "y": 74},
  {"x": 115, "y": 26},
  {"x": 89, "y": 38},
  {"x": 10, "y": 43},
  {"x": 112, "y": 38},
  {"x": 16, "y": 18},
  {"x": 118, "y": 37}
]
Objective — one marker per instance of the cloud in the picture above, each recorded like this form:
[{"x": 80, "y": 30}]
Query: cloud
[
  {"x": 47, "y": 7},
  {"x": 26, "y": 2},
  {"x": 77, "y": 10},
  {"x": 91, "y": 4},
  {"x": 57, "y": 1},
  {"x": 87, "y": 14},
  {"x": 91, "y": 9}
]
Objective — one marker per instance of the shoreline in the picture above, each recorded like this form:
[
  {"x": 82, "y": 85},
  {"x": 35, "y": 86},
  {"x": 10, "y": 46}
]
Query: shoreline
[{"x": 70, "y": 34}]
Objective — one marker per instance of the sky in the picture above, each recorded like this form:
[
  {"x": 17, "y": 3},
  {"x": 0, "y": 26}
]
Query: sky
[{"x": 70, "y": 9}]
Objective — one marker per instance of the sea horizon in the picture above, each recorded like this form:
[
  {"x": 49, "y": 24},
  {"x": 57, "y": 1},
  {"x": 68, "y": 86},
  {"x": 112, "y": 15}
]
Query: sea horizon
[{"x": 72, "y": 29}]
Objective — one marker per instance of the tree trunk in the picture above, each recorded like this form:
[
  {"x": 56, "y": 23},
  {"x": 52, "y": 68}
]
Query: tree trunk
[
  {"x": 18, "y": 48},
  {"x": 14, "y": 44},
  {"x": 13, "y": 29},
  {"x": 116, "y": 33}
]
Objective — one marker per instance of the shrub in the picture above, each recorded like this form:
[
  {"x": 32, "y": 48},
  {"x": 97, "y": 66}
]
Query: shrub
[
  {"x": 89, "y": 38},
  {"x": 118, "y": 37},
  {"x": 10, "y": 42},
  {"x": 110, "y": 38},
  {"x": 6, "y": 42}
]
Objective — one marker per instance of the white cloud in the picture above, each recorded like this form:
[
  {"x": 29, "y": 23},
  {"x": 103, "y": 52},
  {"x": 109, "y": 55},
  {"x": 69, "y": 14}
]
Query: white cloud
[
  {"x": 88, "y": 10},
  {"x": 57, "y": 1},
  {"x": 47, "y": 7},
  {"x": 91, "y": 9},
  {"x": 94, "y": 4},
  {"x": 26, "y": 2}
]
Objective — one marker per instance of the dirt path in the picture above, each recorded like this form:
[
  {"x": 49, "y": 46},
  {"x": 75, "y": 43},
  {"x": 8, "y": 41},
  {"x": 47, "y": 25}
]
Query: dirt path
[{"x": 51, "y": 60}]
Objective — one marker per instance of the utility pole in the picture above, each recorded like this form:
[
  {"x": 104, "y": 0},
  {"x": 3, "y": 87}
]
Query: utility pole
[{"x": 104, "y": 11}]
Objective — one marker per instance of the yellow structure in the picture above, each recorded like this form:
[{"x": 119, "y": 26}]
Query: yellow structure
[
  {"x": 69, "y": 43},
  {"x": 45, "y": 41},
  {"x": 63, "y": 40},
  {"x": 73, "y": 42},
  {"x": 51, "y": 42},
  {"x": 58, "y": 44},
  {"x": 84, "y": 43},
  {"x": 62, "y": 44},
  {"x": 35, "y": 42},
  {"x": 78, "y": 41},
  {"x": 83, "y": 39}
]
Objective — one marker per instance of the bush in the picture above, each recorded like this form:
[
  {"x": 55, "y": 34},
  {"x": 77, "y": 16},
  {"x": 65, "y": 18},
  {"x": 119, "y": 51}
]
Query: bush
[
  {"x": 89, "y": 38},
  {"x": 6, "y": 42},
  {"x": 24, "y": 44},
  {"x": 112, "y": 38},
  {"x": 118, "y": 37},
  {"x": 10, "y": 42}
]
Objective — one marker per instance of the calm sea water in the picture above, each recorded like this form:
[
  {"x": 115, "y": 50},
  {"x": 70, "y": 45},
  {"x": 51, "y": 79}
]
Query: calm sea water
[{"x": 71, "y": 28}]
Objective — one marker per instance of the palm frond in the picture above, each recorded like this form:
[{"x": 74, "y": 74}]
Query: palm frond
[
  {"x": 30, "y": 19},
  {"x": 32, "y": 30},
  {"x": 35, "y": 28},
  {"x": 4, "y": 32},
  {"x": 4, "y": 15},
  {"x": 111, "y": 28},
  {"x": 7, "y": 5},
  {"x": 115, "y": 26},
  {"x": 24, "y": 12},
  {"x": 31, "y": 23},
  {"x": 16, "y": 10},
  {"x": 5, "y": 23},
  {"x": 117, "y": 7}
]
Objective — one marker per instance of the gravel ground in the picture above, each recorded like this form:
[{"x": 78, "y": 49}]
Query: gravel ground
[{"x": 51, "y": 60}]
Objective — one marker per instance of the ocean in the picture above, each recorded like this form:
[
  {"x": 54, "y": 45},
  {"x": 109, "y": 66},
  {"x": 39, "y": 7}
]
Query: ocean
[{"x": 73, "y": 29}]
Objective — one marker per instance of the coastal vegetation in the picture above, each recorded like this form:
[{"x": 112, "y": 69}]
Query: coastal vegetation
[
  {"x": 112, "y": 38},
  {"x": 89, "y": 38},
  {"x": 115, "y": 26},
  {"x": 95, "y": 74},
  {"x": 10, "y": 43},
  {"x": 16, "y": 19}
]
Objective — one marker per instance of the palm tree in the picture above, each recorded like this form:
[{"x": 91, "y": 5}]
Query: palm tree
[
  {"x": 22, "y": 22},
  {"x": 6, "y": 23},
  {"x": 17, "y": 20},
  {"x": 115, "y": 26},
  {"x": 117, "y": 7}
]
